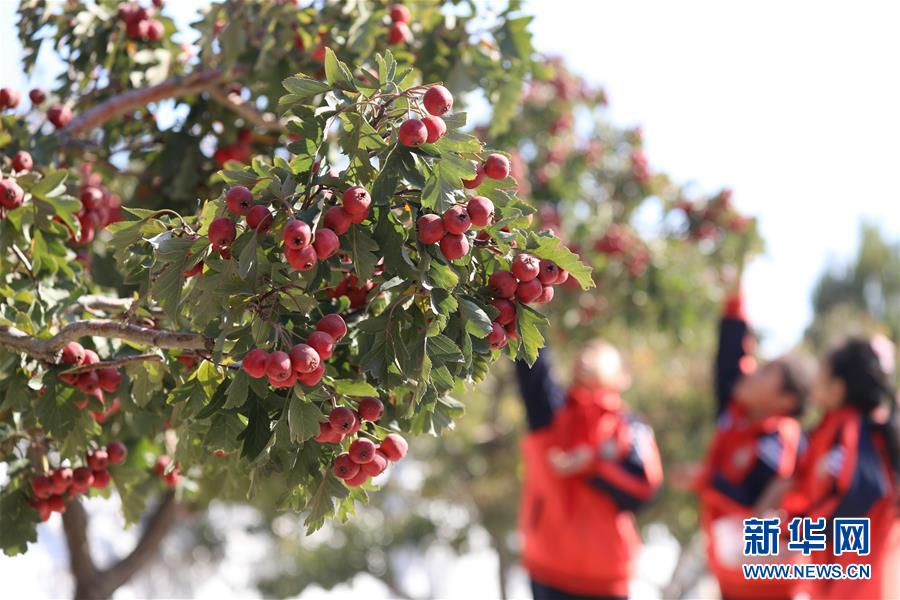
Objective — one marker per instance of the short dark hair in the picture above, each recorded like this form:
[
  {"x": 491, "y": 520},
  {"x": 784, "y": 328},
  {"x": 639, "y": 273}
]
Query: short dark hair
[{"x": 796, "y": 379}]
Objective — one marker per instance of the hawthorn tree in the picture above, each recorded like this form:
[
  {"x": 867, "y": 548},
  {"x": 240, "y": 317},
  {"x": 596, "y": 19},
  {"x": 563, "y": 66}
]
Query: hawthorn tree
[{"x": 270, "y": 292}]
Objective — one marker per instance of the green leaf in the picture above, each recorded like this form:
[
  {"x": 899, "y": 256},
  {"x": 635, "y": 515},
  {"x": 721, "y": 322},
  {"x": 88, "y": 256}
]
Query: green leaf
[
  {"x": 550, "y": 247},
  {"x": 362, "y": 248},
  {"x": 303, "y": 418},
  {"x": 337, "y": 72},
  {"x": 18, "y": 522},
  {"x": 441, "y": 349},
  {"x": 444, "y": 185},
  {"x": 321, "y": 503},
  {"x": 50, "y": 185},
  {"x": 350, "y": 387},
  {"x": 476, "y": 320},
  {"x": 217, "y": 401},
  {"x": 168, "y": 286},
  {"x": 530, "y": 324},
  {"x": 237, "y": 390},
  {"x": 258, "y": 433},
  {"x": 247, "y": 258},
  {"x": 303, "y": 87}
]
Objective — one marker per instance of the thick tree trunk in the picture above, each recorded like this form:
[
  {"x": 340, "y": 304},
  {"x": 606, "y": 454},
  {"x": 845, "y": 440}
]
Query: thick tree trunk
[{"x": 91, "y": 583}]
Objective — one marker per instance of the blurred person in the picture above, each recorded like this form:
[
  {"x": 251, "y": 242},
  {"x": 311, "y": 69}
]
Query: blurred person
[
  {"x": 589, "y": 465},
  {"x": 754, "y": 451},
  {"x": 852, "y": 466}
]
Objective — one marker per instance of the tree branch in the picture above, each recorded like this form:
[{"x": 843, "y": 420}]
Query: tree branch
[
  {"x": 237, "y": 105},
  {"x": 50, "y": 350},
  {"x": 80, "y": 562},
  {"x": 118, "y": 362}
]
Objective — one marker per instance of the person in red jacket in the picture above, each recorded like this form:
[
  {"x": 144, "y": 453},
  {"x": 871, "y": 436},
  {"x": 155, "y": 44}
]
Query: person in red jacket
[
  {"x": 754, "y": 451},
  {"x": 851, "y": 469},
  {"x": 589, "y": 464}
]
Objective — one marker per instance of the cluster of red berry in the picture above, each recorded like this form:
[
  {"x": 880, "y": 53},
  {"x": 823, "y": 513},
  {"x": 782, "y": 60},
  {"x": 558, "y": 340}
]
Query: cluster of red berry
[
  {"x": 162, "y": 464},
  {"x": 449, "y": 230},
  {"x": 430, "y": 128},
  {"x": 53, "y": 489},
  {"x": 93, "y": 382},
  {"x": 240, "y": 150},
  {"x": 399, "y": 32},
  {"x": 620, "y": 242},
  {"x": 363, "y": 458},
  {"x": 99, "y": 207},
  {"x": 58, "y": 114},
  {"x": 304, "y": 363},
  {"x": 708, "y": 221},
  {"x": 138, "y": 24}
]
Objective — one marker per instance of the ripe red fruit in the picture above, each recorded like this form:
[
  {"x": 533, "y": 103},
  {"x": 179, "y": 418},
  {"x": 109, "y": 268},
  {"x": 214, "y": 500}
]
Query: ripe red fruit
[
  {"x": 430, "y": 228},
  {"x": 302, "y": 260},
  {"x": 496, "y": 166},
  {"x": 326, "y": 243},
  {"x": 457, "y": 220},
  {"x": 42, "y": 506},
  {"x": 56, "y": 503},
  {"x": 222, "y": 232},
  {"x": 322, "y": 343},
  {"x": 37, "y": 96},
  {"x": 481, "y": 211},
  {"x": 254, "y": 363},
  {"x": 61, "y": 480},
  {"x": 413, "y": 133},
  {"x": 563, "y": 277},
  {"x": 436, "y": 128},
  {"x": 356, "y": 200},
  {"x": 297, "y": 234},
  {"x": 333, "y": 325},
  {"x": 337, "y": 219},
  {"x": 8, "y": 98},
  {"x": 239, "y": 199},
  {"x": 507, "y": 310},
  {"x": 278, "y": 365},
  {"x": 370, "y": 408},
  {"x": 11, "y": 194},
  {"x": 101, "y": 479},
  {"x": 529, "y": 291},
  {"x": 394, "y": 447},
  {"x": 310, "y": 379},
  {"x": 342, "y": 419},
  {"x": 376, "y": 466},
  {"x": 91, "y": 197},
  {"x": 549, "y": 272},
  {"x": 155, "y": 31},
  {"x": 284, "y": 383},
  {"x": 399, "y": 13},
  {"x": 362, "y": 451},
  {"x": 399, "y": 33},
  {"x": 454, "y": 247},
  {"x": 497, "y": 337},
  {"x": 110, "y": 378},
  {"x": 82, "y": 479},
  {"x": 502, "y": 284},
  {"x": 42, "y": 486},
  {"x": 171, "y": 479},
  {"x": 438, "y": 100},
  {"x": 117, "y": 453},
  {"x": 259, "y": 218},
  {"x": 162, "y": 463},
  {"x": 73, "y": 353},
  {"x": 546, "y": 295},
  {"x": 328, "y": 434},
  {"x": 60, "y": 115},
  {"x": 471, "y": 184},
  {"x": 88, "y": 382},
  {"x": 21, "y": 161},
  {"x": 525, "y": 267},
  {"x": 358, "y": 479},
  {"x": 90, "y": 358},
  {"x": 304, "y": 359},
  {"x": 98, "y": 459},
  {"x": 344, "y": 467}
]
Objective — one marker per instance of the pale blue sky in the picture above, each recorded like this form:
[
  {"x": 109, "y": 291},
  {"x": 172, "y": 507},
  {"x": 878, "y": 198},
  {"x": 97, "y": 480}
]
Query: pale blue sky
[{"x": 793, "y": 105}]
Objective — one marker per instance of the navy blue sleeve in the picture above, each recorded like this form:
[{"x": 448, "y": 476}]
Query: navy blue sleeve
[
  {"x": 728, "y": 358},
  {"x": 541, "y": 393},
  {"x": 640, "y": 466}
]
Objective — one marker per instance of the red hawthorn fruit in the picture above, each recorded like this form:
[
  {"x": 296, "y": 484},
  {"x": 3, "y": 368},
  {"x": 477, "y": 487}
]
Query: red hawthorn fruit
[
  {"x": 356, "y": 200},
  {"x": 496, "y": 166},
  {"x": 21, "y": 161},
  {"x": 302, "y": 260},
  {"x": 328, "y": 434},
  {"x": 195, "y": 270},
  {"x": 82, "y": 479},
  {"x": 98, "y": 459},
  {"x": 412, "y": 133},
  {"x": 239, "y": 199},
  {"x": 254, "y": 363},
  {"x": 222, "y": 232},
  {"x": 438, "y": 100},
  {"x": 361, "y": 451},
  {"x": 311, "y": 379},
  {"x": 114, "y": 407},
  {"x": 11, "y": 194},
  {"x": 172, "y": 478},
  {"x": 60, "y": 115},
  {"x": 481, "y": 211},
  {"x": 333, "y": 325},
  {"x": 525, "y": 267},
  {"x": 73, "y": 353},
  {"x": 564, "y": 277},
  {"x": 358, "y": 479},
  {"x": 394, "y": 447},
  {"x": 259, "y": 218},
  {"x": 376, "y": 466},
  {"x": 62, "y": 480},
  {"x": 88, "y": 382},
  {"x": 529, "y": 291},
  {"x": 9, "y": 98},
  {"x": 56, "y": 503},
  {"x": 399, "y": 13},
  {"x": 322, "y": 343},
  {"x": 370, "y": 408},
  {"x": 90, "y": 358},
  {"x": 512, "y": 329},
  {"x": 502, "y": 284},
  {"x": 357, "y": 425},
  {"x": 42, "y": 486},
  {"x": 284, "y": 383},
  {"x": 436, "y": 128},
  {"x": 549, "y": 272},
  {"x": 162, "y": 463},
  {"x": 454, "y": 247},
  {"x": 342, "y": 419},
  {"x": 337, "y": 219},
  {"x": 155, "y": 30},
  {"x": 188, "y": 361},
  {"x": 37, "y": 96},
  {"x": 497, "y": 337},
  {"x": 110, "y": 378},
  {"x": 117, "y": 453},
  {"x": 304, "y": 359},
  {"x": 471, "y": 184},
  {"x": 546, "y": 295},
  {"x": 42, "y": 506},
  {"x": 456, "y": 220},
  {"x": 399, "y": 33},
  {"x": 297, "y": 234},
  {"x": 326, "y": 243},
  {"x": 507, "y": 310},
  {"x": 344, "y": 467},
  {"x": 278, "y": 365},
  {"x": 430, "y": 228}
]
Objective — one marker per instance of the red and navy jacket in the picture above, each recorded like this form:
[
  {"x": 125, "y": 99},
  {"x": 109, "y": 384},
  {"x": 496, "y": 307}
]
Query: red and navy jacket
[
  {"x": 578, "y": 529},
  {"x": 745, "y": 456},
  {"x": 847, "y": 472}
]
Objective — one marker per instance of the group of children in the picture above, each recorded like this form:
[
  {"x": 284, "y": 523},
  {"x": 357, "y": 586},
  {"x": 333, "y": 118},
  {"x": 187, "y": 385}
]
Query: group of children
[{"x": 590, "y": 464}]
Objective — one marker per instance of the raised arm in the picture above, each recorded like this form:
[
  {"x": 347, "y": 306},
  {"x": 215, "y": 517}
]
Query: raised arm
[
  {"x": 633, "y": 479},
  {"x": 732, "y": 331},
  {"x": 540, "y": 392}
]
